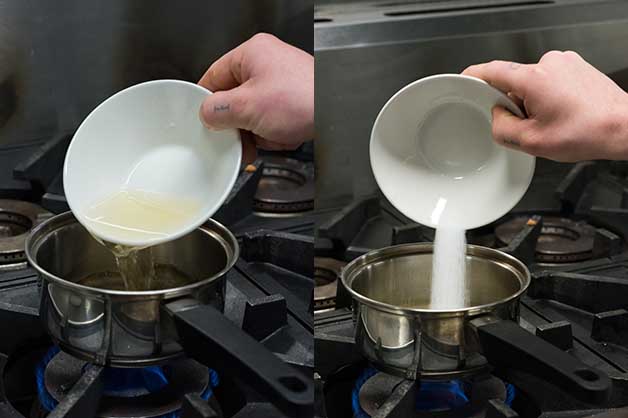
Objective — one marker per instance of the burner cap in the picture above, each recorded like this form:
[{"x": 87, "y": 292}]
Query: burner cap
[
  {"x": 286, "y": 186},
  {"x": 183, "y": 376},
  {"x": 326, "y": 276},
  {"x": 16, "y": 220},
  {"x": 561, "y": 240}
]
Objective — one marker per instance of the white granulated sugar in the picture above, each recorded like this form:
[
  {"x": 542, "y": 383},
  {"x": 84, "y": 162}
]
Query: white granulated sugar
[{"x": 448, "y": 268}]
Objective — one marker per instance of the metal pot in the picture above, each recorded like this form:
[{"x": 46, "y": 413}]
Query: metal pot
[
  {"x": 139, "y": 328},
  {"x": 399, "y": 333}
]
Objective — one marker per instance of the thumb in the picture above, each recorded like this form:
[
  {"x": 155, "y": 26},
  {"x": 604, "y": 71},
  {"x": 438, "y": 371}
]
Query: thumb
[
  {"x": 228, "y": 109},
  {"x": 508, "y": 129}
]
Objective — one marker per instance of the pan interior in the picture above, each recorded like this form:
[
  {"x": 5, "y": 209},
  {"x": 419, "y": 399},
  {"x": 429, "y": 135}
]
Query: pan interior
[
  {"x": 72, "y": 254},
  {"x": 405, "y": 281},
  {"x": 166, "y": 277}
]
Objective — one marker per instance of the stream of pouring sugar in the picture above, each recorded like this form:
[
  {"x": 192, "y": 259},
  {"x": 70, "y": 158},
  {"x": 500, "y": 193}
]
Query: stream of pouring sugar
[{"x": 449, "y": 268}]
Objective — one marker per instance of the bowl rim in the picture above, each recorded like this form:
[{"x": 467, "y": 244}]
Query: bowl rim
[
  {"x": 372, "y": 155},
  {"x": 351, "y": 270},
  {"x": 201, "y": 217}
]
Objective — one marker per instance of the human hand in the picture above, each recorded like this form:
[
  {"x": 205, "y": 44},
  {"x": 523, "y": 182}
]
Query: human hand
[
  {"x": 574, "y": 111},
  {"x": 264, "y": 87}
]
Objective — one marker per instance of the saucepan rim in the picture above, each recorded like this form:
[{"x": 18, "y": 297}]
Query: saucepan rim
[
  {"x": 211, "y": 227},
  {"x": 351, "y": 270}
]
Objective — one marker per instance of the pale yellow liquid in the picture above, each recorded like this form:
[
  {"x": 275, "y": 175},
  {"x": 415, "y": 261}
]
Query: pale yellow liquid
[
  {"x": 132, "y": 215},
  {"x": 166, "y": 277}
]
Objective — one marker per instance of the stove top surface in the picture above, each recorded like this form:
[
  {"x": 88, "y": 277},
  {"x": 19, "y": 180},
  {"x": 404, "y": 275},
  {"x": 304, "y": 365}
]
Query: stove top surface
[{"x": 570, "y": 229}]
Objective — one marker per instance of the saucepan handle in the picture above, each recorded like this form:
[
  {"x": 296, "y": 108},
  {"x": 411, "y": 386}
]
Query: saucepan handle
[
  {"x": 506, "y": 344},
  {"x": 212, "y": 339}
]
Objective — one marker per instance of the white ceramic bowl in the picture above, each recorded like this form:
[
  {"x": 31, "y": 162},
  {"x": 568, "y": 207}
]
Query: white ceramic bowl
[
  {"x": 434, "y": 159},
  {"x": 149, "y": 137}
]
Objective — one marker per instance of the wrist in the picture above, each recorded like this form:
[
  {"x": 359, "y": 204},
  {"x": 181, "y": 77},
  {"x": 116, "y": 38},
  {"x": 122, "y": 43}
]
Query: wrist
[{"x": 615, "y": 131}]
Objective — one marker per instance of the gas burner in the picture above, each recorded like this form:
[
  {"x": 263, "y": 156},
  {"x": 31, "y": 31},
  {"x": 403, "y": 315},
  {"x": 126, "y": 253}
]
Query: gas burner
[
  {"x": 326, "y": 277},
  {"x": 455, "y": 398},
  {"x": 286, "y": 187},
  {"x": 134, "y": 392},
  {"x": 561, "y": 240},
  {"x": 16, "y": 220}
]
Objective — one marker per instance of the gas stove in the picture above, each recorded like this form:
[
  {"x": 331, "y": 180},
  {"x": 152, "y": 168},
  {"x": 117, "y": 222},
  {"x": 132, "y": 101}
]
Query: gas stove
[
  {"x": 570, "y": 229},
  {"x": 268, "y": 296}
]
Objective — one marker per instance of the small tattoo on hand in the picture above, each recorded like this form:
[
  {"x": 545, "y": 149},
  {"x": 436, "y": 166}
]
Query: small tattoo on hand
[
  {"x": 222, "y": 108},
  {"x": 512, "y": 142},
  {"x": 514, "y": 65}
]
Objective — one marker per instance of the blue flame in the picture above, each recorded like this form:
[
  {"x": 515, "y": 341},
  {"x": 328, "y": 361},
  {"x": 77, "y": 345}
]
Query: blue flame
[
  {"x": 441, "y": 396},
  {"x": 358, "y": 412},
  {"x": 433, "y": 396},
  {"x": 510, "y": 394},
  {"x": 120, "y": 382},
  {"x": 47, "y": 401}
]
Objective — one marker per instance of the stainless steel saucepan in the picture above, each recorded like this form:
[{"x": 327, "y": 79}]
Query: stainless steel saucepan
[
  {"x": 399, "y": 333},
  {"x": 88, "y": 315}
]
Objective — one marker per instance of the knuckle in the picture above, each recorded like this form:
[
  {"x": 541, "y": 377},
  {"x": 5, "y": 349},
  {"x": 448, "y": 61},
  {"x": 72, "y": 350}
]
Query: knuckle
[
  {"x": 572, "y": 54},
  {"x": 532, "y": 141},
  {"x": 240, "y": 104},
  {"x": 537, "y": 71},
  {"x": 496, "y": 62},
  {"x": 553, "y": 57},
  {"x": 498, "y": 118},
  {"x": 206, "y": 108},
  {"x": 496, "y": 127},
  {"x": 496, "y": 130},
  {"x": 263, "y": 38},
  {"x": 469, "y": 69},
  {"x": 245, "y": 107}
]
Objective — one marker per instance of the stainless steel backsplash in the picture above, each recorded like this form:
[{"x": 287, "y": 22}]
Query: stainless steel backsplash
[{"x": 366, "y": 52}]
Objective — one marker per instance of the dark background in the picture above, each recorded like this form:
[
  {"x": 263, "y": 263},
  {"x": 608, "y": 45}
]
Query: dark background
[{"x": 60, "y": 59}]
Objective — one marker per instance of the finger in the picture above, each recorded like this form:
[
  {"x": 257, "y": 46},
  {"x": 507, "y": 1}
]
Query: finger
[
  {"x": 249, "y": 150},
  {"x": 507, "y": 76},
  {"x": 228, "y": 109},
  {"x": 508, "y": 129},
  {"x": 225, "y": 73}
]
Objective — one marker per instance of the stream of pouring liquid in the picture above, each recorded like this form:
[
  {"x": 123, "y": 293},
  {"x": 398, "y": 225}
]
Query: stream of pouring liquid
[{"x": 133, "y": 215}]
